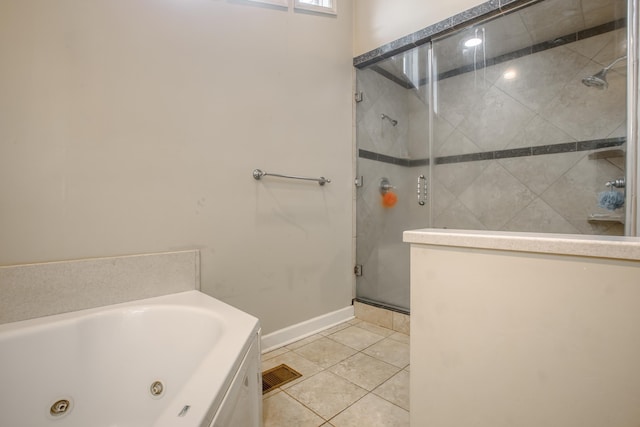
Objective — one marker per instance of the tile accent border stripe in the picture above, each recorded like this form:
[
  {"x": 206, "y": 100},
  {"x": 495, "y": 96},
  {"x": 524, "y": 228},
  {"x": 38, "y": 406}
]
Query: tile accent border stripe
[
  {"x": 567, "y": 147},
  {"x": 371, "y": 155},
  {"x": 395, "y": 79}
]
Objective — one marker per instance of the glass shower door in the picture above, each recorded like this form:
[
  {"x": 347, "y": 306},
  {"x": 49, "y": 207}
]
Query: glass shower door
[
  {"x": 517, "y": 123},
  {"x": 392, "y": 127},
  {"x": 530, "y": 121}
]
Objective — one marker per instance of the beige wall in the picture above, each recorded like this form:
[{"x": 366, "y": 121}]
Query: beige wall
[
  {"x": 523, "y": 339},
  {"x": 132, "y": 127},
  {"x": 378, "y": 22}
]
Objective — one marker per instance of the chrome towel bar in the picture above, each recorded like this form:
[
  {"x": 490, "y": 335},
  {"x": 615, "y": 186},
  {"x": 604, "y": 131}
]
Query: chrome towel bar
[{"x": 258, "y": 174}]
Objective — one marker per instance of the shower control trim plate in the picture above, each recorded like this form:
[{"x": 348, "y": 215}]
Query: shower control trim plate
[
  {"x": 422, "y": 190},
  {"x": 385, "y": 186}
]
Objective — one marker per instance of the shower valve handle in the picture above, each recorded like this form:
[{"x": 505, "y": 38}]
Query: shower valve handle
[{"x": 617, "y": 183}]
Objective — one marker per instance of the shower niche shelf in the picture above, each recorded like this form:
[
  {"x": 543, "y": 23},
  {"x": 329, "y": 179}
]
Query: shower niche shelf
[
  {"x": 606, "y": 153},
  {"x": 606, "y": 218}
]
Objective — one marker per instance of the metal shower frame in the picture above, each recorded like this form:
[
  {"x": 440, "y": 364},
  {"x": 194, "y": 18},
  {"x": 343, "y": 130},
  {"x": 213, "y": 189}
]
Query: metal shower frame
[{"x": 633, "y": 154}]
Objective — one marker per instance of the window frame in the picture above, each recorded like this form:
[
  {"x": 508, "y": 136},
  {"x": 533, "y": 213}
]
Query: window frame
[
  {"x": 283, "y": 3},
  {"x": 333, "y": 10}
]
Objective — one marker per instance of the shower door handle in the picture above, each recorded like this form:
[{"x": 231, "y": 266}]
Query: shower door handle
[{"x": 422, "y": 190}]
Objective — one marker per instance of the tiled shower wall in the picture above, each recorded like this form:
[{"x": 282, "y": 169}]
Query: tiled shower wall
[
  {"x": 546, "y": 109},
  {"x": 481, "y": 112},
  {"x": 546, "y": 104}
]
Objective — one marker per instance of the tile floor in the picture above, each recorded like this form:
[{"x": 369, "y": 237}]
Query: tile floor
[{"x": 353, "y": 375}]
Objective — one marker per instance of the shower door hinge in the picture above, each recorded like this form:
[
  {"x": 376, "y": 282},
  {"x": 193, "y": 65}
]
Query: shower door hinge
[
  {"x": 358, "y": 96},
  {"x": 357, "y": 270},
  {"x": 359, "y": 181}
]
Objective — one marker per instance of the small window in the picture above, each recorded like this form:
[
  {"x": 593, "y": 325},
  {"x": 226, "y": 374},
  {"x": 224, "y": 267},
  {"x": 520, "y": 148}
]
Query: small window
[
  {"x": 323, "y": 6},
  {"x": 284, "y": 3}
]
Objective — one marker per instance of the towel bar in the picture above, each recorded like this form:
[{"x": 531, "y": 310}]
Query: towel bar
[{"x": 258, "y": 174}]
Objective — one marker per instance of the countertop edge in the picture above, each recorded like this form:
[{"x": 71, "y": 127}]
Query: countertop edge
[{"x": 613, "y": 247}]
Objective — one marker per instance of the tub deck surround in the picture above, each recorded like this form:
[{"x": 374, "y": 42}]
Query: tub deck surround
[
  {"x": 616, "y": 247},
  {"x": 103, "y": 360},
  {"x": 43, "y": 289}
]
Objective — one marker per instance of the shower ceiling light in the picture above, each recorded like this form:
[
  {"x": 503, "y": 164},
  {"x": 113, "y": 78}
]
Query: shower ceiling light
[
  {"x": 473, "y": 42},
  {"x": 510, "y": 75}
]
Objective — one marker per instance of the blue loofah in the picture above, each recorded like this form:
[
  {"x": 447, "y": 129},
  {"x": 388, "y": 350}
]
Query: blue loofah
[{"x": 611, "y": 200}]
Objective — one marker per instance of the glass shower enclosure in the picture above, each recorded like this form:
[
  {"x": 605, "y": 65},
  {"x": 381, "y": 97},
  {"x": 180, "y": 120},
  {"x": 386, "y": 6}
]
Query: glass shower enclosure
[{"x": 517, "y": 123}]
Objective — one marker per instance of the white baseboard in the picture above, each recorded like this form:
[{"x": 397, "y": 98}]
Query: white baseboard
[{"x": 304, "y": 329}]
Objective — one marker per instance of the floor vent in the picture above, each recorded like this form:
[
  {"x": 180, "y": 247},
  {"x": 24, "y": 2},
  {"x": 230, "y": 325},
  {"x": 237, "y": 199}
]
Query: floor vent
[{"x": 275, "y": 377}]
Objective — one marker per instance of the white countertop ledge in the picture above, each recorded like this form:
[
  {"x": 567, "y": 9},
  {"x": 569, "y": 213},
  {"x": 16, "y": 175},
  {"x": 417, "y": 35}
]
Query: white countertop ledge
[{"x": 616, "y": 247}]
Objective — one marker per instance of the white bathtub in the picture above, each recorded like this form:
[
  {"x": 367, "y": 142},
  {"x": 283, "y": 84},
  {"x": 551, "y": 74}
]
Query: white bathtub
[{"x": 104, "y": 361}]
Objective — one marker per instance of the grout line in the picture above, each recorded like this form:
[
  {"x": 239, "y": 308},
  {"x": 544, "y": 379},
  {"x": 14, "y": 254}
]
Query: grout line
[
  {"x": 293, "y": 397},
  {"x": 368, "y": 392},
  {"x": 386, "y": 381},
  {"x": 356, "y": 401}
]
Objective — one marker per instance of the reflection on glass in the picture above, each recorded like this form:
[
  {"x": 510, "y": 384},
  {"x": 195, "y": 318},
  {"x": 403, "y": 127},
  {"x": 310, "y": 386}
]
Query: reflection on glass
[{"x": 520, "y": 144}]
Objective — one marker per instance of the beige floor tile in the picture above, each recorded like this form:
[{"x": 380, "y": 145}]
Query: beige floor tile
[
  {"x": 274, "y": 353},
  {"x": 282, "y": 410},
  {"x": 356, "y": 337},
  {"x": 396, "y": 390},
  {"x": 400, "y": 337},
  {"x": 325, "y": 352},
  {"x": 303, "y": 342},
  {"x": 326, "y": 394},
  {"x": 385, "y": 332},
  {"x": 335, "y": 329},
  {"x": 390, "y": 351},
  {"x": 364, "y": 371},
  {"x": 271, "y": 393},
  {"x": 295, "y": 361},
  {"x": 383, "y": 367},
  {"x": 372, "y": 411}
]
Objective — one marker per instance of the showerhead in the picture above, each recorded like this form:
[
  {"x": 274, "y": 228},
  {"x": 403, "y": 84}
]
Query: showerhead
[
  {"x": 393, "y": 122},
  {"x": 599, "y": 79}
]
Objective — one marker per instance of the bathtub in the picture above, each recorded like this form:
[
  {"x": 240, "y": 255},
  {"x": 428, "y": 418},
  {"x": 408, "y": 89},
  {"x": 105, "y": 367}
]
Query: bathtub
[{"x": 183, "y": 359}]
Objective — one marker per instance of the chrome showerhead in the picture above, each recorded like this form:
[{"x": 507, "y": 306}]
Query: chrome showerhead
[{"x": 599, "y": 79}]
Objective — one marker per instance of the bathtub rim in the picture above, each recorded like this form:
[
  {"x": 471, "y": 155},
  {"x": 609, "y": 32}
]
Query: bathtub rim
[{"x": 216, "y": 370}]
